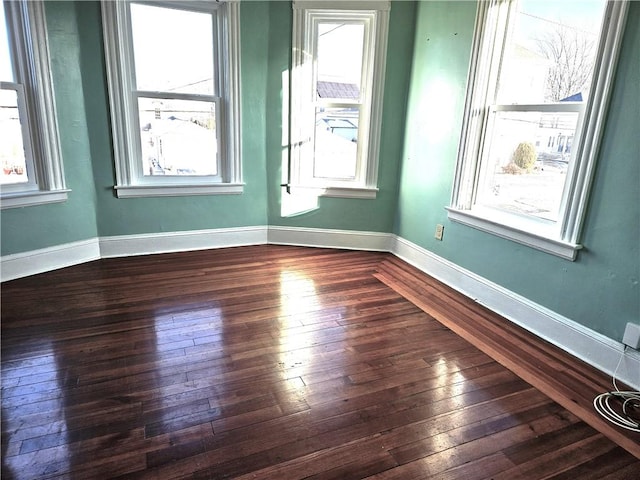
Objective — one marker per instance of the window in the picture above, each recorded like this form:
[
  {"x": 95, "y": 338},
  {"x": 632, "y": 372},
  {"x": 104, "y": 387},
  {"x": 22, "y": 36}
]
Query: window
[
  {"x": 339, "y": 52},
  {"x": 29, "y": 146},
  {"x": 537, "y": 92},
  {"x": 173, "y": 75}
]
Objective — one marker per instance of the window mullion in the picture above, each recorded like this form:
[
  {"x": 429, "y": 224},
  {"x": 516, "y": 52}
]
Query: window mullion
[{"x": 175, "y": 95}]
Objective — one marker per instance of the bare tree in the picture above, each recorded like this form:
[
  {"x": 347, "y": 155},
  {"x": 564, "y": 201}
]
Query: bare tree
[{"x": 571, "y": 53}]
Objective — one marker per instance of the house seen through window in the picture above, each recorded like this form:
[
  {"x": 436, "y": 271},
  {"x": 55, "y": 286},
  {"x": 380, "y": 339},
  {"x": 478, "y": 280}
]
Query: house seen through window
[
  {"x": 175, "y": 92},
  {"x": 173, "y": 74},
  {"x": 338, "y": 99},
  {"x": 337, "y": 82},
  {"x": 545, "y": 78}
]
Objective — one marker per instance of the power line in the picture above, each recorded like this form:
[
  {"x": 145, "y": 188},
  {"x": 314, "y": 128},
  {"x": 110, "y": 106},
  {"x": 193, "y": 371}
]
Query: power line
[
  {"x": 563, "y": 25},
  {"x": 188, "y": 84},
  {"x": 333, "y": 29}
]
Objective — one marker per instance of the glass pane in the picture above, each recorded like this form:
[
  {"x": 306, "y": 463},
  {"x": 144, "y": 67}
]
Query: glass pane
[
  {"x": 527, "y": 162},
  {"x": 173, "y": 50},
  {"x": 12, "y": 155},
  {"x": 552, "y": 51},
  {"x": 6, "y": 70},
  {"x": 340, "y": 60},
  {"x": 336, "y": 143},
  {"x": 178, "y": 137}
]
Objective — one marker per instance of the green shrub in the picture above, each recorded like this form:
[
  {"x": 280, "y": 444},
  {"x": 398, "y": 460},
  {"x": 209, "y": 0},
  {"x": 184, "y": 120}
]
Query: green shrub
[{"x": 525, "y": 156}]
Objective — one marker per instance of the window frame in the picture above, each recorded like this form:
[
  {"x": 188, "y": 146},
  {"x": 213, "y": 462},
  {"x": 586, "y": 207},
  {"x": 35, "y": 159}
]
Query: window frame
[
  {"x": 123, "y": 95},
  {"x": 28, "y": 38},
  {"x": 562, "y": 237},
  {"x": 307, "y": 15}
]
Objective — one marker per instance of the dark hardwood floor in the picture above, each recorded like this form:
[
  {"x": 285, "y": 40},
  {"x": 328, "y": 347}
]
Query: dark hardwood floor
[{"x": 273, "y": 362}]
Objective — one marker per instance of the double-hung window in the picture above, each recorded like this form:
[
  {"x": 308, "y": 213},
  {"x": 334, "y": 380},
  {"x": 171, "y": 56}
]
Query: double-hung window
[
  {"x": 339, "y": 55},
  {"x": 29, "y": 145},
  {"x": 173, "y": 75},
  {"x": 538, "y": 87}
]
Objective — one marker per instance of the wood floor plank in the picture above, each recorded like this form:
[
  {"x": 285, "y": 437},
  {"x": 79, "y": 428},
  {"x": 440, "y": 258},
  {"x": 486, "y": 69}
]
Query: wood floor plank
[
  {"x": 280, "y": 362},
  {"x": 562, "y": 377}
]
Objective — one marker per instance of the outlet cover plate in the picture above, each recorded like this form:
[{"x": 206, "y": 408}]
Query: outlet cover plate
[{"x": 631, "y": 335}]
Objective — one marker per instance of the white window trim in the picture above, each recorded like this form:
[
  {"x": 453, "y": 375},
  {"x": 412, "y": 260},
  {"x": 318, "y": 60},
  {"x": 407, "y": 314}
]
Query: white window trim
[
  {"x": 365, "y": 184},
  {"x": 561, "y": 238},
  {"x": 125, "y": 145},
  {"x": 31, "y": 49}
]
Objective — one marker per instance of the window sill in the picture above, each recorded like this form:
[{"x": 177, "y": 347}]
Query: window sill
[
  {"x": 338, "y": 192},
  {"x": 138, "y": 191},
  {"x": 540, "y": 242},
  {"x": 29, "y": 199}
]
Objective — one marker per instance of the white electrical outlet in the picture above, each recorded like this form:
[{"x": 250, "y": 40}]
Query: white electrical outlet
[
  {"x": 631, "y": 335},
  {"x": 439, "y": 231}
]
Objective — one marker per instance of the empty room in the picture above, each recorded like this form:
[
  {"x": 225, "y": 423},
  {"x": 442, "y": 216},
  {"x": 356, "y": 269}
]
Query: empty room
[{"x": 320, "y": 239}]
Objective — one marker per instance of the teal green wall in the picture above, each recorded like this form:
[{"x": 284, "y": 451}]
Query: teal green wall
[
  {"x": 29, "y": 228},
  {"x": 600, "y": 289},
  {"x": 339, "y": 213}
]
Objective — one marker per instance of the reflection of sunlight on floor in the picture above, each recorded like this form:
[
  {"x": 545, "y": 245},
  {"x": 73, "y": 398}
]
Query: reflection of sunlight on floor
[
  {"x": 297, "y": 297},
  {"x": 178, "y": 331},
  {"x": 453, "y": 381},
  {"x": 57, "y": 457}
]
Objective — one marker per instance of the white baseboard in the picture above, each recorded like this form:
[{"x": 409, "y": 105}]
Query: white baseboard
[
  {"x": 593, "y": 348},
  {"x": 43, "y": 260},
  {"x": 46, "y": 259},
  {"x": 325, "y": 238},
  {"x": 151, "y": 243}
]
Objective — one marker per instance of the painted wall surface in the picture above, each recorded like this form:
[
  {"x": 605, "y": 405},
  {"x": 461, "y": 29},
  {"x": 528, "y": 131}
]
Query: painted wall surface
[
  {"x": 339, "y": 213},
  {"x": 30, "y": 228},
  {"x": 600, "y": 289}
]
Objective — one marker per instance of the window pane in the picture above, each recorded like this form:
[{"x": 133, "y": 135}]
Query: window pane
[
  {"x": 336, "y": 143},
  {"x": 178, "y": 137},
  {"x": 6, "y": 70},
  {"x": 173, "y": 50},
  {"x": 12, "y": 154},
  {"x": 552, "y": 51},
  {"x": 340, "y": 60},
  {"x": 527, "y": 162}
]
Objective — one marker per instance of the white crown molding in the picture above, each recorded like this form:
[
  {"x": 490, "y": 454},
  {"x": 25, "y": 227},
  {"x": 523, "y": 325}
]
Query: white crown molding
[
  {"x": 43, "y": 260},
  {"x": 324, "y": 238},
  {"x": 165, "y": 242},
  {"x": 588, "y": 345}
]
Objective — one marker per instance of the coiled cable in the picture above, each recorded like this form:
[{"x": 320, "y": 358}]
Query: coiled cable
[{"x": 622, "y": 408}]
